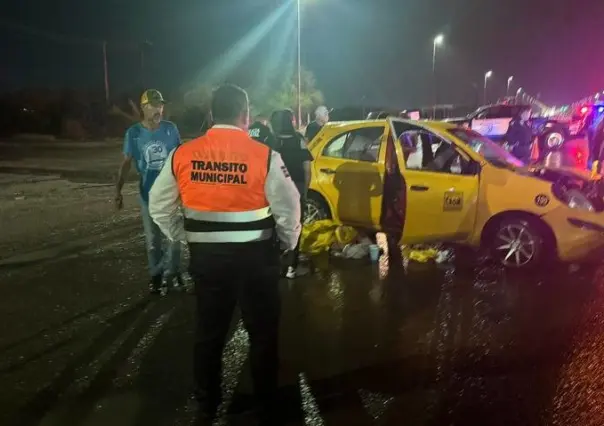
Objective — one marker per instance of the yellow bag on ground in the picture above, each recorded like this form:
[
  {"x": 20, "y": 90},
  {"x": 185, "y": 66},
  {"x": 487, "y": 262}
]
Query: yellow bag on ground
[
  {"x": 420, "y": 256},
  {"x": 318, "y": 237}
]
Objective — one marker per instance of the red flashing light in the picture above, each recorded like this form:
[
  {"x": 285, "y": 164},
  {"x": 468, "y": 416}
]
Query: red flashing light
[{"x": 584, "y": 110}]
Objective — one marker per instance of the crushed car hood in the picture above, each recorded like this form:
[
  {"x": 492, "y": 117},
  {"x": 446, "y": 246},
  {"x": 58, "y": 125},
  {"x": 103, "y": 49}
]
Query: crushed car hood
[{"x": 555, "y": 173}]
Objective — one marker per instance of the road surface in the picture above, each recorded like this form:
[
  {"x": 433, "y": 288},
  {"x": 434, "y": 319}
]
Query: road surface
[{"x": 82, "y": 344}]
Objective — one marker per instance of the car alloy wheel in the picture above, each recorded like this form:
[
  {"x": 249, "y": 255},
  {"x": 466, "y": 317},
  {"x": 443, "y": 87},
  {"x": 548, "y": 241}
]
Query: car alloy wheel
[
  {"x": 313, "y": 211},
  {"x": 516, "y": 244}
]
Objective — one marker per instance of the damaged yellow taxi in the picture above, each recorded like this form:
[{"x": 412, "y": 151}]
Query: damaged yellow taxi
[{"x": 435, "y": 182}]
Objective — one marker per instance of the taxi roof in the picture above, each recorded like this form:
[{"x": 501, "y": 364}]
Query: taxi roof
[{"x": 436, "y": 125}]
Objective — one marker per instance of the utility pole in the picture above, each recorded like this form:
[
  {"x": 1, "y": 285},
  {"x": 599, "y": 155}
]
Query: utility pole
[{"x": 105, "y": 72}]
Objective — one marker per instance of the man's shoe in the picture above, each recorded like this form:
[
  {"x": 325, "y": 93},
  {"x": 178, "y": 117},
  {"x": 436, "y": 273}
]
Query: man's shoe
[
  {"x": 163, "y": 290},
  {"x": 175, "y": 282},
  {"x": 155, "y": 284},
  {"x": 300, "y": 271},
  {"x": 291, "y": 273},
  {"x": 179, "y": 282}
]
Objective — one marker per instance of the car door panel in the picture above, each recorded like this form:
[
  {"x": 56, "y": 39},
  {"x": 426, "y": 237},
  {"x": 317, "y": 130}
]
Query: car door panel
[
  {"x": 353, "y": 188},
  {"x": 440, "y": 206},
  {"x": 394, "y": 200}
]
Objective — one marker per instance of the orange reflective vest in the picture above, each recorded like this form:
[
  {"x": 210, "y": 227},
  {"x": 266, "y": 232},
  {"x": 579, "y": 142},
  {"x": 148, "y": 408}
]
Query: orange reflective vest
[{"x": 221, "y": 177}]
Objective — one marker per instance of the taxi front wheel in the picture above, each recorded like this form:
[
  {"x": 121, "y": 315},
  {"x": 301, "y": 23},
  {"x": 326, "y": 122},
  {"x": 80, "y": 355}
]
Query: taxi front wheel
[
  {"x": 518, "y": 243},
  {"x": 315, "y": 209}
]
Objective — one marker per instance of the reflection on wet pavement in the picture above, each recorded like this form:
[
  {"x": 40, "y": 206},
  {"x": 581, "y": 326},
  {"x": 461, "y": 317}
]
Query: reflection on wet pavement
[{"x": 361, "y": 344}]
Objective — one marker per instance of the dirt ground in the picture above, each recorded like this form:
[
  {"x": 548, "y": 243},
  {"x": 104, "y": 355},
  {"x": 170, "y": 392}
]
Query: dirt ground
[{"x": 52, "y": 193}]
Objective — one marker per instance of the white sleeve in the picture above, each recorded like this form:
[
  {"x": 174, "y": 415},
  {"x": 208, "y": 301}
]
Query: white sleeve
[
  {"x": 284, "y": 199},
  {"x": 164, "y": 203}
]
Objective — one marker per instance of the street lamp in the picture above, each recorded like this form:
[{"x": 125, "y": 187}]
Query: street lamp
[
  {"x": 487, "y": 75},
  {"x": 438, "y": 40},
  {"x": 510, "y": 79}
]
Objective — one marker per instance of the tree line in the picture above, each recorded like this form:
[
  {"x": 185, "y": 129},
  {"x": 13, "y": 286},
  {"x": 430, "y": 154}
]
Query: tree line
[{"x": 81, "y": 114}]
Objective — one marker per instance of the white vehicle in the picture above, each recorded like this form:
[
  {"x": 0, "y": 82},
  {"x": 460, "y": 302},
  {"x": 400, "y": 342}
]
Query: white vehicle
[{"x": 492, "y": 121}]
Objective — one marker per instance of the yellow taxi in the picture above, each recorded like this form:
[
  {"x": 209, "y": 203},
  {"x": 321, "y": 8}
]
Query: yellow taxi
[{"x": 437, "y": 182}]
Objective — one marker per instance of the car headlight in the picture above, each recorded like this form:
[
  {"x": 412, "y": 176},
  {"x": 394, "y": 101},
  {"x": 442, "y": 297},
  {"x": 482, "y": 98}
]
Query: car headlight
[
  {"x": 555, "y": 139},
  {"x": 576, "y": 200}
]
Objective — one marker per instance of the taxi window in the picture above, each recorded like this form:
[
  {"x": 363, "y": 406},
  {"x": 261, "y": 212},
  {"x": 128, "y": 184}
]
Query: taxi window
[
  {"x": 497, "y": 112},
  {"x": 426, "y": 151},
  {"x": 359, "y": 144},
  {"x": 500, "y": 111}
]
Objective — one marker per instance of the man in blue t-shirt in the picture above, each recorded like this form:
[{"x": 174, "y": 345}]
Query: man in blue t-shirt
[{"x": 148, "y": 144}]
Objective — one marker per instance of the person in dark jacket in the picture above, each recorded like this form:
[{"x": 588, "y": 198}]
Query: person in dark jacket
[
  {"x": 598, "y": 143},
  {"x": 260, "y": 132},
  {"x": 296, "y": 157},
  {"x": 520, "y": 136}
]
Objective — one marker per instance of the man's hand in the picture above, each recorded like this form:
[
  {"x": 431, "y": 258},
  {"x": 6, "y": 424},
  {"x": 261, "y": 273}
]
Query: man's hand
[{"x": 119, "y": 201}]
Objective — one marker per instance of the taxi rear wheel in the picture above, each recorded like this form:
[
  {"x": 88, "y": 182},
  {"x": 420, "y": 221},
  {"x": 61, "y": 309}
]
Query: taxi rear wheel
[
  {"x": 315, "y": 209},
  {"x": 518, "y": 243}
]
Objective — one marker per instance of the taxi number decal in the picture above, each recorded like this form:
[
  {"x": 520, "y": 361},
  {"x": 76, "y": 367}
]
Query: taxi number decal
[
  {"x": 453, "y": 201},
  {"x": 542, "y": 200}
]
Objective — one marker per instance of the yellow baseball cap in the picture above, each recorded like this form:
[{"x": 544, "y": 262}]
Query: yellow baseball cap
[{"x": 153, "y": 97}]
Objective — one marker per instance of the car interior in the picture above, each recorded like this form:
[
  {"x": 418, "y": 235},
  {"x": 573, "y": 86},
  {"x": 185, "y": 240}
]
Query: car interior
[
  {"x": 429, "y": 152},
  {"x": 359, "y": 145}
]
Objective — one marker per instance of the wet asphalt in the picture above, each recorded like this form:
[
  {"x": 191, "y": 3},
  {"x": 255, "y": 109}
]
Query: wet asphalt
[{"x": 82, "y": 343}]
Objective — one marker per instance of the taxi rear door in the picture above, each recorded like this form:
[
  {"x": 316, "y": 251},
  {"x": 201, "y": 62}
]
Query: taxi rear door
[
  {"x": 441, "y": 188},
  {"x": 350, "y": 172}
]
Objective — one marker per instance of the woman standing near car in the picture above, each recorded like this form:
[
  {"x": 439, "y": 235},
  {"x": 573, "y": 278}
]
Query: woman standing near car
[{"x": 296, "y": 157}]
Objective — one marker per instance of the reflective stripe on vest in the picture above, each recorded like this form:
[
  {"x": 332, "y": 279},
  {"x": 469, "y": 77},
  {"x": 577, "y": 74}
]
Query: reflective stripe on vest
[
  {"x": 221, "y": 178},
  {"x": 236, "y": 227},
  {"x": 229, "y": 237}
]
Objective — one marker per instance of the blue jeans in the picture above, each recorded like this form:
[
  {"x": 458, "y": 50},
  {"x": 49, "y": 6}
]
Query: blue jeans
[{"x": 163, "y": 259}]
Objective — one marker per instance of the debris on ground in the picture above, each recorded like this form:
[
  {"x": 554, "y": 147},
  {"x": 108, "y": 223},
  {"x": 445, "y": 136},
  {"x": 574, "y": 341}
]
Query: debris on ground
[
  {"x": 324, "y": 236},
  {"x": 427, "y": 253}
]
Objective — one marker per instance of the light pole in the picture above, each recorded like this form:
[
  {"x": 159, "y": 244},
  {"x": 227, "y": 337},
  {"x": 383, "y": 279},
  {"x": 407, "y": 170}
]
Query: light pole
[
  {"x": 105, "y": 73},
  {"x": 518, "y": 93},
  {"x": 299, "y": 88},
  {"x": 487, "y": 75},
  {"x": 438, "y": 40},
  {"x": 510, "y": 79}
]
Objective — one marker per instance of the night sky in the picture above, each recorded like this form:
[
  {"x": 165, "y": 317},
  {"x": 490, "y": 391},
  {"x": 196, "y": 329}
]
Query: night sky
[{"x": 376, "y": 50}]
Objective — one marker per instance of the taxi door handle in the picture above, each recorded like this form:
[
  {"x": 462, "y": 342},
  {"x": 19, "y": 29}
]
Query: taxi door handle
[
  {"x": 420, "y": 188},
  {"x": 328, "y": 171}
]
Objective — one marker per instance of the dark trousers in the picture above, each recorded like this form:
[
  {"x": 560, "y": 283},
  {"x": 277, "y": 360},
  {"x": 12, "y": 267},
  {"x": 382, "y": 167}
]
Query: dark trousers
[
  {"x": 294, "y": 256},
  {"x": 225, "y": 275}
]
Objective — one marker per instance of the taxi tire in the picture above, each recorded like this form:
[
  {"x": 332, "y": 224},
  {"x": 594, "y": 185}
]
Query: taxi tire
[
  {"x": 314, "y": 202},
  {"x": 537, "y": 232}
]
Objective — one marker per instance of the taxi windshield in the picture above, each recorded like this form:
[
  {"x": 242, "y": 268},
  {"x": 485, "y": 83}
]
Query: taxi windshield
[{"x": 485, "y": 147}]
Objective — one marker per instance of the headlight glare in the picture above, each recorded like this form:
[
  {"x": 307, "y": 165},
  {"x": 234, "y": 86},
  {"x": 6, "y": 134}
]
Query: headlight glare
[{"x": 576, "y": 200}]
